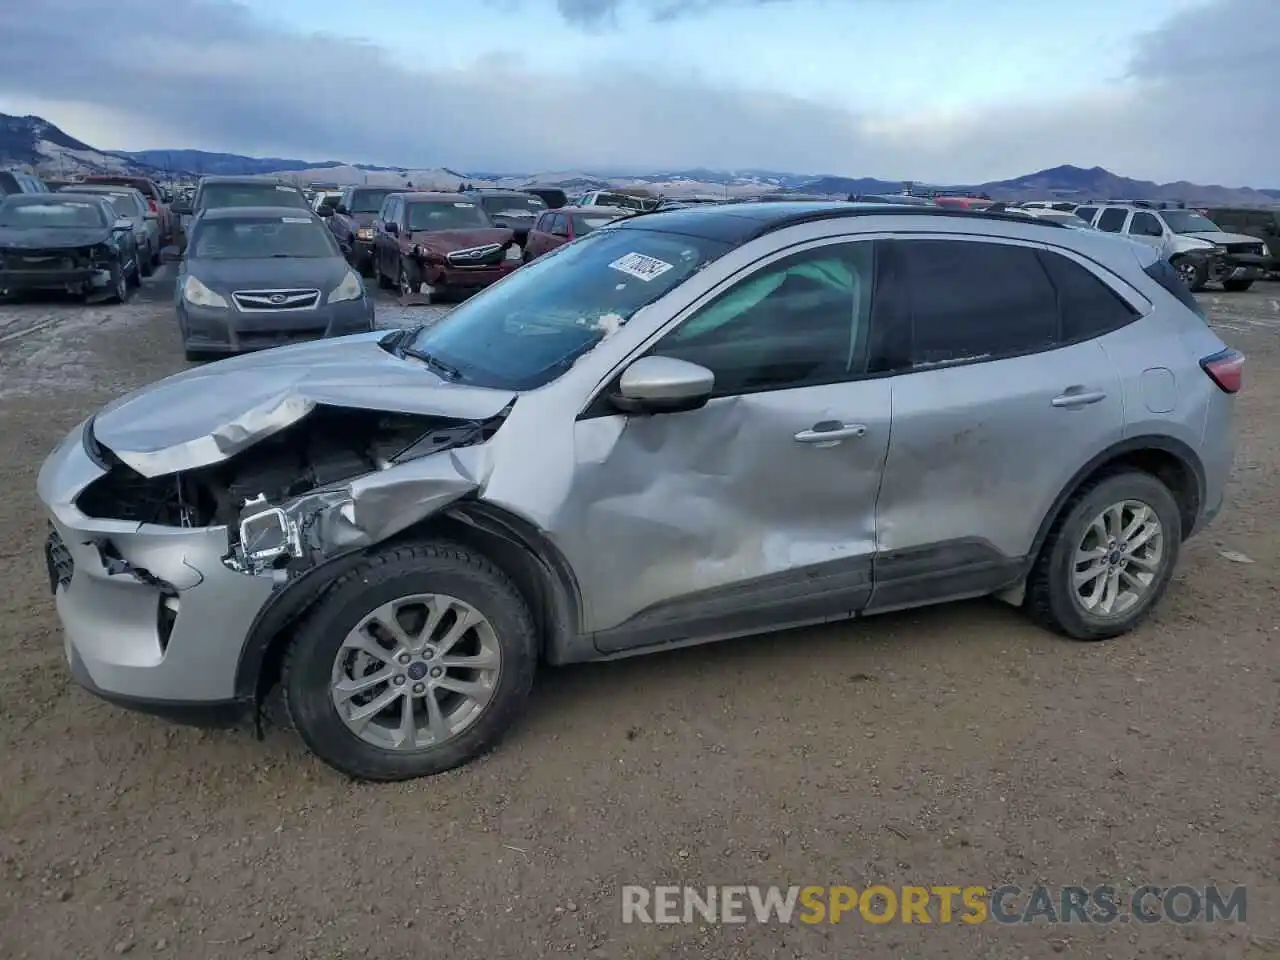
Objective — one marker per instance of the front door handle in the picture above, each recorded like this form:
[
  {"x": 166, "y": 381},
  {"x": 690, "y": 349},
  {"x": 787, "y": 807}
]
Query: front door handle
[
  {"x": 1081, "y": 398},
  {"x": 830, "y": 432}
]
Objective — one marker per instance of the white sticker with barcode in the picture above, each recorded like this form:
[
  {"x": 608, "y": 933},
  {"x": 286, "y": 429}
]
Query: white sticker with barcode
[
  {"x": 294, "y": 220},
  {"x": 641, "y": 267},
  {"x": 464, "y": 206},
  {"x": 285, "y": 189}
]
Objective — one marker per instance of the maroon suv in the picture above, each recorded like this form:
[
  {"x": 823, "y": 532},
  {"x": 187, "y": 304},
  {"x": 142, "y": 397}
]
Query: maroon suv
[{"x": 432, "y": 244}]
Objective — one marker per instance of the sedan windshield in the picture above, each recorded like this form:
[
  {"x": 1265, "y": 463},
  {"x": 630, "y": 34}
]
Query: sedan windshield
[
  {"x": 368, "y": 201},
  {"x": 528, "y": 329},
  {"x": 1184, "y": 221},
  {"x": 512, "y": 206},
  {"x": 219, "y": 195},
  {"x": 262, "y": 237},
  {"x": 446, "y": 215},
  {"x": 52, "y": 213}
]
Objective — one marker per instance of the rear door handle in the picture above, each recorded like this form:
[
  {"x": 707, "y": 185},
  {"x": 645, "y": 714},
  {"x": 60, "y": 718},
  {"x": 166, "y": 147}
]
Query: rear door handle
[
  {"x": 831, "y": 432},
  {"x": 1081, "y": 398}
]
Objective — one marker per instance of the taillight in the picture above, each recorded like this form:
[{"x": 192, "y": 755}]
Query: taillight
[
  {"x": 151, "y": 203},
  {"x": 1226, "y": 369}
]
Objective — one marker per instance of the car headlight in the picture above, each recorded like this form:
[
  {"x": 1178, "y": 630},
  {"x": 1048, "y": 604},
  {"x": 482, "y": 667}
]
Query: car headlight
[
  {"x": 364, "y": 233},
  {"x": 1266, "y": 251},
  {"x": 513, "y": 252},
  {"x": 351, "y": 288},
  {"x": 196, "y": 293},
  {"x": 1218, "y": 251}
]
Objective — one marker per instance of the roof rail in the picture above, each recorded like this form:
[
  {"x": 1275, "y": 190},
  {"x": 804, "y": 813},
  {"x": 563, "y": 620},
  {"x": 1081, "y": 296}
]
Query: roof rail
[{"x": 897, "y": 210}]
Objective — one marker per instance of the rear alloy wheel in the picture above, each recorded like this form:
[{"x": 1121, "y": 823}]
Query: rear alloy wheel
[
  {"x": 1193, "y": 273},
  {"x": 1108, "y": 559},
  {"x": 414, "y": 662}
]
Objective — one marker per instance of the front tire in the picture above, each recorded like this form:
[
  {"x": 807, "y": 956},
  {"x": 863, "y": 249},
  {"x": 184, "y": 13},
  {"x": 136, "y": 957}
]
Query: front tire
[
  {"x": 412, "y": 663},
  {"x": 410, "y": 279},
  {"x": 1108, "y": 558},
  {"x": 1194, "y": 273},
  {"x": 1236, "y": 286}
]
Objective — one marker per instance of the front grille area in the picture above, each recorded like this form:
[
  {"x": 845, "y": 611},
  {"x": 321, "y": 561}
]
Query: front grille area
[
  {"x": 1254, "y": 249},
  {"x": 489, "y": 255},
  {"x": 58, "y": 561},
  {"x": 273, "y": 301},
  {"x": 52, "y": 260}
]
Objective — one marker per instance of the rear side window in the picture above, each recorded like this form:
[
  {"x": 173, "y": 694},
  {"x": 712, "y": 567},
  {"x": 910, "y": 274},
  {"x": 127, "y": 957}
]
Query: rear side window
[
  {"x": 1086, "y": 213},
  {"x": 1163, "y": 273},
  {"x": 1088, "y": 307},
  {"x": 971, "y": 300},
  {"x": 1112, "y": 219}
]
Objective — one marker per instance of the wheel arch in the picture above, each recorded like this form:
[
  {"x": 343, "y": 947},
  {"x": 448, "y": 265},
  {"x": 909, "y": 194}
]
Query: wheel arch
[
  {"x": 537, "y": 568},
  {"x": 1168, "y": 459}
]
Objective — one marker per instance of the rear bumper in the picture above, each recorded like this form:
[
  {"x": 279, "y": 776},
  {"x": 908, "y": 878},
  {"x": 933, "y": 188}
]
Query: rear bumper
[{"x": 227, "y": 330}]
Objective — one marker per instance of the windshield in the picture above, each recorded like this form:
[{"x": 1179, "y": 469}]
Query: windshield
[
  {"x": 261, "y": 237},
  {"x": 52, "y": 213},
  {"x": 584, "y": 223},
  {"x": 218, "y": 195},
  {"x": 528, "y": 329},
  {"x": 123, "y": 205},
  {"x": 368, "y": 201},
  {"x": 1184, "y": 221},
  {"x": 446, "y": 215},
  {"x": 512, "y": 206}
]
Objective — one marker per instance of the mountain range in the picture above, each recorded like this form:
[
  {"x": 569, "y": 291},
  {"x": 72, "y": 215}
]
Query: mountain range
[{"x": 40, "y": 146}]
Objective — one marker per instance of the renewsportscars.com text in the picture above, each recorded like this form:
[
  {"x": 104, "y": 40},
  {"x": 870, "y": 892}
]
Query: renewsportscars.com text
[{"x": 935, "y": 904}]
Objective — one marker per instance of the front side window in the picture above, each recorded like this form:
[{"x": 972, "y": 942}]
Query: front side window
[
  {"x": 446, "y": 215},
  {"x": 799, "y": 321},
  {"x": 528, "y": 329},
  {"x": 1145, "y": 225},
  {"x": 262, "y": 237},
  {"x": 67, "y": 214},
  {"x": 972, "y": 300},
  {"x": 1112, "y": 219}
]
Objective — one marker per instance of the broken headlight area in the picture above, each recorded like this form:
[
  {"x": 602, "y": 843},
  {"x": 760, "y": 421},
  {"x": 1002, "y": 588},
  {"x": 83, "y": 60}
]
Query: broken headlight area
[{"x": 275, "y": 496}]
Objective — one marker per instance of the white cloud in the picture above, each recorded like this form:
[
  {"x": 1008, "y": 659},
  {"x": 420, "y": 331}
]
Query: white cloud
[{"x": 1199, "y": 103}]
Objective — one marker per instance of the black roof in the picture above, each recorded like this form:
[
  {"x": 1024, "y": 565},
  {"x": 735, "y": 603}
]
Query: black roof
[{"x": 739, "y": 223}]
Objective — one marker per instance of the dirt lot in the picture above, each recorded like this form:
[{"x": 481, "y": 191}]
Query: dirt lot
[{"x": 952, "y": 746}]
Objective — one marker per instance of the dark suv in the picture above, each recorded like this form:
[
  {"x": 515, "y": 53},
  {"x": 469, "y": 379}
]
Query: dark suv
[
  {"x": 1256, "y": 222},
  {"x": 351, "y": 222}
]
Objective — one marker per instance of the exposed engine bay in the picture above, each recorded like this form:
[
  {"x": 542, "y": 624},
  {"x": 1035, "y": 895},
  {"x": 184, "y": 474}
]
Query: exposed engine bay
[{"x": 329, "y": 446}]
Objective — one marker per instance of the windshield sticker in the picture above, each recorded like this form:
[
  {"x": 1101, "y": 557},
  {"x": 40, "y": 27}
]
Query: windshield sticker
[
  {"x": 283, "y": 189},
  {"x": 640, "y": 266},
  {"x": 294, "y": 220},
  {"x": 464, "y": 206}
]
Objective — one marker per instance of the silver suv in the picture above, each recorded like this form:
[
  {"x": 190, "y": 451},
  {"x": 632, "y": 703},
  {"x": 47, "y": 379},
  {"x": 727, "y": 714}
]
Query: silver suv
[{"x": 694, "y": 426}]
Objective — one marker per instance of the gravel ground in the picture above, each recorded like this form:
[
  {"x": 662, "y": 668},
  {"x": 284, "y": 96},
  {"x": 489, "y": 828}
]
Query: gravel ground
[{"x": 955, "y": 745}]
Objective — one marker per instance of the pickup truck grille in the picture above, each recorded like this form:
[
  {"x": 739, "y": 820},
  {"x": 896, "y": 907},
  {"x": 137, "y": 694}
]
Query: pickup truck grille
[{"x": 1253, "y": 249}]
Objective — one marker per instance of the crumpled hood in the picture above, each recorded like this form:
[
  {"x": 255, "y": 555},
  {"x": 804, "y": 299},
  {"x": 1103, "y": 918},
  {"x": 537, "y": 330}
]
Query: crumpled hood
[
  {"x": 52, "y": 238},
  {"x": 441, "y": 242},
  {"x": 1221, "y": 238},
  {"x": 207, "y": 414}
]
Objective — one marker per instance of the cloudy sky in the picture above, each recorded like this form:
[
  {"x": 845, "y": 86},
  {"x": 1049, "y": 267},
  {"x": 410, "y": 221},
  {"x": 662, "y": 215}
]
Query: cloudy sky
[{"x": 935, "y": 90}]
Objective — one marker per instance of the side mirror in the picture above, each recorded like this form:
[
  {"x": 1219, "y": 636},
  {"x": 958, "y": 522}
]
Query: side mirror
[
  {"x": 340, "y": 208},
  {"x": 392, "y": 229},
  {"x": 122, "y": 226},
  {"x": 182, "y": 208},
  {"x": 663, "y": 385}
]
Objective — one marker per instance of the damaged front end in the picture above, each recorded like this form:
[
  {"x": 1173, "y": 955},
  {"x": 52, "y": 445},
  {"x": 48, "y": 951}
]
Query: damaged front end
[{"x": 337, "y": 480}]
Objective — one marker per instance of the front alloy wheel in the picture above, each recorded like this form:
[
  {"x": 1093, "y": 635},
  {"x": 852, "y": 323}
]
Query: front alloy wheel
[{"x": 415, "y": 661}]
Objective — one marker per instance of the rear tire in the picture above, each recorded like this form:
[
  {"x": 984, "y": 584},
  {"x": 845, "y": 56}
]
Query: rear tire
[
  {"x": 146, "y": 265},
  {"x": 400, "y": 574},
  {"x": 1236, "y": 286},
  {"x": 1056, "y": 601}
]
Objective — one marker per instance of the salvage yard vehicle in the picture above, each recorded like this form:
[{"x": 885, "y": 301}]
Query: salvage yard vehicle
[
  {"x": 690, "y": 426},
  {"x": 1254, "y": 222},
  {"x": 256, "y": 277},
  {"x": 437, "y": 244},
  {"x": 512, "y": 209},
  {"x": 352, "y": 223},
  {"x": 67, "y": 242},
  {"x": 1196, "y": 246},
  {"x": 213, "y": 193},
  {"x": 15, "y": 182},
  {"x": 157, "y": 201},
  {"x": 555, "y": 228},
  {"x": 131, "y": 205}
]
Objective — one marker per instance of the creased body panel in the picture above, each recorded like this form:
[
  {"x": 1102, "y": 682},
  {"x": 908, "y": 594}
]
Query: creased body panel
[
  {"x": 665, "y": 508},
  {"x": 208, "y": 414}
]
